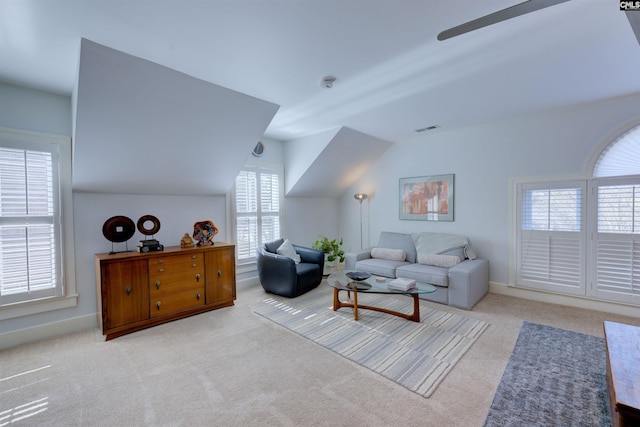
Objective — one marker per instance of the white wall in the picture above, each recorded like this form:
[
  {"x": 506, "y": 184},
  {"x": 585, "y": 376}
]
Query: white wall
[
  {"x": 304, "y": 217},
  {"x": 34, "y": 110},
  {"x": 486, "y": 160}
]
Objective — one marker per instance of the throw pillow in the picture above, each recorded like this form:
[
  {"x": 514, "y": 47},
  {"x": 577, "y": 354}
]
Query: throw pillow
[
  {"x": 286, "y": 249},
  {"x": 438, "y": 260},
  {"x": 390, "y": 254}
]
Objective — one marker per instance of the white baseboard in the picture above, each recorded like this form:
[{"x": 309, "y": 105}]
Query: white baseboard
[
  {"x": 568, "y": 300},
  {"x": 48, "y": 330},
  {"x": 247, "y": 283},
  {"x": 76, "y": 324}
]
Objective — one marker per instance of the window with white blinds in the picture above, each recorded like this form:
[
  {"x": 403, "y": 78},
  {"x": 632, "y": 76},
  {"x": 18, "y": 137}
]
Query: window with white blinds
[
  {"x": 30, "y": 249},
  {"x": 616, "y": 246},
  {"x": 257, "y": 204},
  {"x": 550, "y": 236}
]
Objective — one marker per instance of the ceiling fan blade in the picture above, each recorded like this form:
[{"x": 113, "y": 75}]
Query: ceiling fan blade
[
  {"x": 499, "y": 16},
  {"x": 634, "y": 20}
]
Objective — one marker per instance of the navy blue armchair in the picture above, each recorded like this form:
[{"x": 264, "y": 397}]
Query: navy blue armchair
[{"x": 280, "y": 275}]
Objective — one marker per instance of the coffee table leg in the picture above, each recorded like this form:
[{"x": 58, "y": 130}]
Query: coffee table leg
[
  {"x": 336, "y": 300},
  {"x": 355, "y": 305},
  {"x": 416, "y": 308},
  {"x": 415, "y": 316}
]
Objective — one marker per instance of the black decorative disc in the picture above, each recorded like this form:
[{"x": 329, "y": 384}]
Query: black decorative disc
[{"x": 118, "y": 228}]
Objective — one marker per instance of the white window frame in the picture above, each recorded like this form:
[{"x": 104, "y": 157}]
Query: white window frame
[
  {"x": 65, "y": 295},
  {"x": 553, "y": 253},
  {"x": 257, "y": 167},
  {"x": 614, "y": 257}
]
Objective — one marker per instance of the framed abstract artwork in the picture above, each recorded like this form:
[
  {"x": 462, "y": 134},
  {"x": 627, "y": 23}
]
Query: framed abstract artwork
[{"x": 427, "y": 198}]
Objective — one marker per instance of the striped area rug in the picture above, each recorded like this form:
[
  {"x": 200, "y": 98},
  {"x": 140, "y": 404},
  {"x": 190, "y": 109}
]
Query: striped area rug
[{"x": 415, "y": 355}]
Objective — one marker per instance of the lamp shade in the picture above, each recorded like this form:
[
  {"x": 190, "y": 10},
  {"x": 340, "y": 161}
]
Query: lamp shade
[{"x": 360, "y": 197}]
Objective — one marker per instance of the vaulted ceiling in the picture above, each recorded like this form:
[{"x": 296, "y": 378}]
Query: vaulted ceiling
[{"x": 393, "y": 75}]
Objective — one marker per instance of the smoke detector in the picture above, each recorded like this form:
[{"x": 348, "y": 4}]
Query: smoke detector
[{"x": 327, "y": 82}]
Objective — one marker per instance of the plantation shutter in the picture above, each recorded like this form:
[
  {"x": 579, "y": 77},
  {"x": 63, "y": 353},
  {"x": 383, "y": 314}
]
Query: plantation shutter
[
  {"x": 617, "y": 240},
  {"x": 270, "y": 206},
  {"x": 246, "y": 214},
  {"x": 550, "y": 237},
  {"x": 29, "y": 254},
  {"x": 257, "y": 210}
]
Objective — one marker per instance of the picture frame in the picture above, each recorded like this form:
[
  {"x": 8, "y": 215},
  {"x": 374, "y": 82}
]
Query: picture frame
[{"x": 427, "y": 198}]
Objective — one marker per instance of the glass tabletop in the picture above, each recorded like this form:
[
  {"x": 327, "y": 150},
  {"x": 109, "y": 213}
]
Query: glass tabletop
[{"x": 373, "y": 284}]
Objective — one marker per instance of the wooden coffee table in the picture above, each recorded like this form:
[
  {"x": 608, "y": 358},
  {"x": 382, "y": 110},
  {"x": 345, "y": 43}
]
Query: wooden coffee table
[
  {"x": 340, "y": 282},
  {"x": 623, "y": 373}
]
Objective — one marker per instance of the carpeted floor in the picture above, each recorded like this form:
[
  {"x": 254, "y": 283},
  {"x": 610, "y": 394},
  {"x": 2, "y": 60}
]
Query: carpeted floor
[
  {"x": 415, "y": 355},
  {"x": 554, "y": 377},
  {"x": 230, "y": 367}
]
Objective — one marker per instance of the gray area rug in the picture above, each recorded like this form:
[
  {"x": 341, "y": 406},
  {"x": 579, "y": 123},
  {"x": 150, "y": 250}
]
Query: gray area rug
[
  {"x": 554, "y": 377},
  {"x": 415, "y": 355}
]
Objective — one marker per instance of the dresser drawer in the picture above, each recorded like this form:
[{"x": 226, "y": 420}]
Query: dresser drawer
[
  {"x": 191, "y": 277},
  {"x": 167, "y": 302},
  {"x": 174, "y": 262}
]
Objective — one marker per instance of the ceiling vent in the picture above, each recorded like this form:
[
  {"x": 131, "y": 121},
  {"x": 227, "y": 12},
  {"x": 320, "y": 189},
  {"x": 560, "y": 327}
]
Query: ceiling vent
[{"x": 432, "y": 127}]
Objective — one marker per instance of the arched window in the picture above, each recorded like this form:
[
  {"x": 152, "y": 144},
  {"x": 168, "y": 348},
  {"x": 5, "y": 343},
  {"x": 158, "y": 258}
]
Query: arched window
[
  {"x": 615, "y": 250},
  {"x": 582, "y": 237},
  {"x": 621, "y": 157}
]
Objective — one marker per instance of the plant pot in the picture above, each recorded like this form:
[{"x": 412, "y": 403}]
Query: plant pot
[{"x": 329, "y": 266}]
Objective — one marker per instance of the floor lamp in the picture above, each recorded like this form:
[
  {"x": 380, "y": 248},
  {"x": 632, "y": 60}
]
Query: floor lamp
[{"x": 360, "y": 197}]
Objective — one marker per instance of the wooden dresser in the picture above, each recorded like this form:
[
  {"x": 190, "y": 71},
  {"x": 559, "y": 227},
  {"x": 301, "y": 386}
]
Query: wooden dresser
[{"x": 137, "y": 291}]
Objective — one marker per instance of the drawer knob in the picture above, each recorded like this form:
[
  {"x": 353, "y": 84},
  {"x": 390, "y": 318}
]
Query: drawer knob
[
  {"x": 194, "y": 265},
  {"x": 219, "y": 273},
  {"x": 160, "y": 270},
  {"x": 198, "y": 296},
  {"x": 193, "y": 257},
  {"x": 198, "y": 277},
  {"x": 127, "y": 289},
  {"x": 157, "y": 284},
  {"x": 160, "y": 261},
  {"x": 158, "y": 305}
]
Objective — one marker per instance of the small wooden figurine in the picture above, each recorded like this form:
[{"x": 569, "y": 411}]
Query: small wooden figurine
[{"x": 186, "y": 241}]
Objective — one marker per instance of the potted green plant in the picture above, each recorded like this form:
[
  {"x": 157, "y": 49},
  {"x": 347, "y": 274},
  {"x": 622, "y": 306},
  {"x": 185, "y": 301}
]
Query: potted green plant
[{"x": 333, "y": 251}]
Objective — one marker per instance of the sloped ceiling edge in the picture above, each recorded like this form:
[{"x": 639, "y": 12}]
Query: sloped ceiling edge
[
  {"x": 344, "y": 160},
  {"x": 142, "y": 128}
]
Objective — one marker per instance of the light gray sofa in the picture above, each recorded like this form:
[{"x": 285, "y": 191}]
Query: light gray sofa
[{"x": 429, "y": 258}]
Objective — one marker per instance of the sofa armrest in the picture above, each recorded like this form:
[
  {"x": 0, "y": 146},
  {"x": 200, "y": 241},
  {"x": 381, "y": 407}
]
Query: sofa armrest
[
  {"x": 352, "y": 257},
  {"x": 468, "y": 283}
]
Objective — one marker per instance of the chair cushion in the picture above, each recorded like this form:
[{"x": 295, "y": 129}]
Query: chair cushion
[{"x": 286, "y": 249}]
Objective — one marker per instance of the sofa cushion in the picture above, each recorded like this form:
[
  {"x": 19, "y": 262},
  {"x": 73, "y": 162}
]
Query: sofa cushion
[
  {"x": 438, "y": 276},
  {"x": 387, "y": 253},
  {"x": 438, "y": 260},
  {"x": 286, "y": 249},
  {"x": 380, "y": 267},
  {"x": 439, "y": 243},
  {"x": 404, "y": 241}
]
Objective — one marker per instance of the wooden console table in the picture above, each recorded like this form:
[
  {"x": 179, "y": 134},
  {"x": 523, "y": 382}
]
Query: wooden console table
[
  {"x": 140, "y": 290},
  {"x": 623, "y": 373}
]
